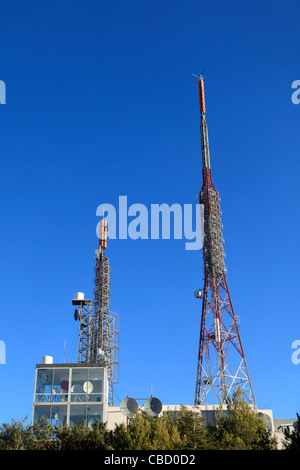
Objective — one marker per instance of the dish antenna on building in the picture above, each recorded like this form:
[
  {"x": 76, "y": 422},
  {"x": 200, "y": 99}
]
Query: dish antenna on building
[
  {"x": 153, "y": 406},
  {"x": 128, "y": 406}
]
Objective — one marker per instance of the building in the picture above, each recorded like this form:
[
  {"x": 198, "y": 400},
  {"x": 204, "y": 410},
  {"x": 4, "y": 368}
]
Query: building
[
  {"x": 208, "y": 412},
  {"x": 210, "y": 415},
  {"x": 67, "y": 393}
]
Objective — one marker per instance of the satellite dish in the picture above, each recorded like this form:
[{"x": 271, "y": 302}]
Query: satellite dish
[
  {"x": 101, "y": 355},
  {"x": 266, "y": 419},
  {"x": 198, "y": 294},
  {"x": 46, "y": 379},
  {"x": 128, "y": 406},
  {"x": 58, "y": 416},
  {"x": 64, "y": 385},
  {"x": 153, "y": 406},
  {"x": 76, "y": 315},
  {"x": 76, "y": 388},
  {"x": 88, "y": 387},
  {"x": 91, "y": 422}
]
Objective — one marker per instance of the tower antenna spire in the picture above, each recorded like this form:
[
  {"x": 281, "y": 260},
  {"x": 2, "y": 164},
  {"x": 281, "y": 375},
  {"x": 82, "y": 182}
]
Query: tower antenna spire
[
  {"x": 105, "y": 327},
  {"x": 99, "y": 327},
  {"x": 221, "y": 364}
]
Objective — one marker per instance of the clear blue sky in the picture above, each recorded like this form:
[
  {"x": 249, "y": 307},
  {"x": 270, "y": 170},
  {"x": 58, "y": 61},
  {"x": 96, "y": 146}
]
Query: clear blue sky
[{"x": 101, "y": 102}]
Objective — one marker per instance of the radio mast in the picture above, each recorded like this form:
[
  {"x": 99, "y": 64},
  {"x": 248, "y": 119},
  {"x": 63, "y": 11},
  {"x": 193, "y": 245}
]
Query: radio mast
[
  {"x": 98, "y": 326},
  {"x": 105, "y": 324},
  {"x": 221, "y": 359}
]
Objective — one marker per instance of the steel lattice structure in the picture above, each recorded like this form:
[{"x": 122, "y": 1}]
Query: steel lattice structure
[
  {"x": 98, "y": 326},
  {"x": 221, "y": 359},
  {"x": 85, "y": 315},
  {"x": 105, "y": 324}
]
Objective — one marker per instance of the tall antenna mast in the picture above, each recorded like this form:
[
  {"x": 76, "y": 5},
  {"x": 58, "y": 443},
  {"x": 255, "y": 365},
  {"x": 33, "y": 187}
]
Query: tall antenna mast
[
  {"x": 99, "y": 327},
  {"x": 105, "y": 324},
  {"x": 221, "y": 360}
]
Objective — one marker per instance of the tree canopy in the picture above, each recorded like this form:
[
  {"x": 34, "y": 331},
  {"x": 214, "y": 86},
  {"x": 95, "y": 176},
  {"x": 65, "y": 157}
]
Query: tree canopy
[
  {"x": 240, "y": 428},
  {"x": 292, "y": 437}
]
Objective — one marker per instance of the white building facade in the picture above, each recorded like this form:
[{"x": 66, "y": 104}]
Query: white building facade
[{"x": 68, "y": 393}]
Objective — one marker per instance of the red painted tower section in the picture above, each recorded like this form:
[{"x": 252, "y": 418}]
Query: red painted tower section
[{"x": 221, "y": 359}]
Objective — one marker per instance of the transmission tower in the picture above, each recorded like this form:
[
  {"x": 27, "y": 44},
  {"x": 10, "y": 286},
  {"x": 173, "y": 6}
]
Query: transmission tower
[
  {"x": 105, "y": 324},
  {"x": 98, "y": 326},
  {"x": 221, "y": 360}
]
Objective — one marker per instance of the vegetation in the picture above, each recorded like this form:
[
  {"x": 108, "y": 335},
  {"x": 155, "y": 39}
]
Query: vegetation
[
  {"x": 242, "y": 428},
  {"x": 239, "y": 429},
  {"x": 292, "y": 438}
]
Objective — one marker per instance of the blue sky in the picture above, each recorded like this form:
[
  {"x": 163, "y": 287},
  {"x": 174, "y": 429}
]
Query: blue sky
[{"x": 101, "y": 102}]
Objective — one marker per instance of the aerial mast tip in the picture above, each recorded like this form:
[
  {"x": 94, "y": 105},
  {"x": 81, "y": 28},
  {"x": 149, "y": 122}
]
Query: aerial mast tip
[{"x": 103, "y": 234}]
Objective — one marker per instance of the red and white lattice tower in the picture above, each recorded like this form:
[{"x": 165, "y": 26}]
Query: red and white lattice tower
[{"x": 221, "y": 359}]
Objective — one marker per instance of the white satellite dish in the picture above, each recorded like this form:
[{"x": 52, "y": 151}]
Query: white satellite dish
[
  {"x": 153, "y": 406},
  {"x": 128, "y": 406},
  {"x": 46, "y": 379},
  {"x": 76, "y": 388},
  {"x": 58, "y": 416},
  {"x": 88, "y": 387},
  {"x": 198, "y": 294},
  {"x": 91, "y": 422},
  {"x": 266, "y": 419},
  {"x": 101, "y": 355}
]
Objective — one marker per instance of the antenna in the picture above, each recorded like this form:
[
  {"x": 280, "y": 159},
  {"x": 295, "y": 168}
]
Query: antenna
[
  {"x": 84, "y": 314},
  {"x": 200, "y": 76},
  {"x": 153, "y": 406},
  {"x": 221, "y": 360},
  {"x": 129, "y": 406}
]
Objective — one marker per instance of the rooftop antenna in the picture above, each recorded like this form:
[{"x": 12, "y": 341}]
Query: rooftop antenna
[
  {"x": 201, "y": 76},
  {"x": 105, "y": 324},
  {"x": 99, "y": 327}
]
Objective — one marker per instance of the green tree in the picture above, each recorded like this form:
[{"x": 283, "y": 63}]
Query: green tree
[
  {"x": 43, "y": 433},
  {"x": 144, "y": 432},
  {"x": 16, "y": 436},
  {"x": 242, "y": 428},
  {"x": 292, "y": 438},
  {"x": 165, "y": 434},
  {"x": 119, "y": 438},
  {"x": 239, "y": 429},
  {"x": 81, "y": 437},
  {"x": 194, "y": 435}
]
